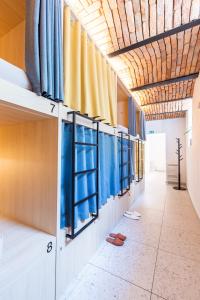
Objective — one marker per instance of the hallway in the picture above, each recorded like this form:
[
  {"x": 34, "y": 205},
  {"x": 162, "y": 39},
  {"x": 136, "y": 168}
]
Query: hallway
[{"x": 159, "y": 260}]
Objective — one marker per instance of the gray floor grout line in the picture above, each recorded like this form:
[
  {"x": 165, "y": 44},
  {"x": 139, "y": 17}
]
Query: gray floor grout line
[
  {"x": 158, "y": 247},
  {"x": 154, "y": 294},
  {"x": 178, "y": 228},
  {"x": 186, "y": 257},
  {"x": 119, "y": 277}
]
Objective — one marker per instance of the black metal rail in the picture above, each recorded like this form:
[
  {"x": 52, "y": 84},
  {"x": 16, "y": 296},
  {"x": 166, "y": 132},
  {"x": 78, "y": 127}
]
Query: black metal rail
[
  {"x": 155, "y": 38},
  {"x": 125, "y": 163},
  {"x": 74, "y": 233}
]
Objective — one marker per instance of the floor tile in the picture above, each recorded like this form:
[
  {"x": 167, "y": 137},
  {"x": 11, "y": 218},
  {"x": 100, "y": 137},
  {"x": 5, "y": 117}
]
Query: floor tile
[
  {"x": 182, "y": 222},
  {"x": 140, "y": 231},
  {"x": 133, "y": 262},
  {"x": 180, "y": 242},
  {"x": 179, "y": 209},
  {"x": 126, "y": 272},
  {"x": 149, "y": 215},
  {"x": 176, "y": 278},
  {"x": 96, "y": 284}
]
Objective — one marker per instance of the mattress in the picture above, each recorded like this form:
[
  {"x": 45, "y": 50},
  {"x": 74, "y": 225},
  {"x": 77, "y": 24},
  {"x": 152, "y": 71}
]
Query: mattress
[{"x": 14, "y": 75}]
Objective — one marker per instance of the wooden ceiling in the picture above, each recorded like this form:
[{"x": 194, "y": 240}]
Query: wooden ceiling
[
  {"x": 12, "y": 12},
  {"x": 166, "y": 115},
  {"x": 116, "y": 24}
]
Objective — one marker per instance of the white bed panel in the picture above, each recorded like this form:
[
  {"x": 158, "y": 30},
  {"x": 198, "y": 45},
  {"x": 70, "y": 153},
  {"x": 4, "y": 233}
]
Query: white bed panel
[
  {"x": 27, "y": 265},
  {"x": 14, "y": 74}
]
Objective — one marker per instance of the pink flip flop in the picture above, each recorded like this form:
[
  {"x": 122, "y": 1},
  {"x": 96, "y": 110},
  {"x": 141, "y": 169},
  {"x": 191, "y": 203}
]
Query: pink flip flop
[
  {"x": 115, "y": 242},
  {"x": 118, "y": 235}
]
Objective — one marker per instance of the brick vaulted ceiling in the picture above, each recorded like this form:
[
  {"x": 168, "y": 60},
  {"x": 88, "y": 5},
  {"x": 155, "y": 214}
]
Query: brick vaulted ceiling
[{"x": 117, "y": 24}]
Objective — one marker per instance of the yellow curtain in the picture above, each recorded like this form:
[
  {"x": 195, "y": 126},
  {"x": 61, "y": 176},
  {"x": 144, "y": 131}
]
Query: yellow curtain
[
  {"x": 106, "y": 92},
  {"x": 111, "y": 93},
  {"x": 85, "y": 83},
  {"x": 100, "y": 84},
  {"x": 114, "y": 102},
  {"x": 72, "y": 59},
  {"x": 93, "y": 79},
  {"x": 90, "y": 85},
  {"x": 112, "y": 87}
]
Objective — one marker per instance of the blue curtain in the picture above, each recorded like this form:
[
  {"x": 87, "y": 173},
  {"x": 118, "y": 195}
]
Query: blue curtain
[
  {"x": 109, "y": 181},
  {"x": 131, "y": 116},
  {"x": 103, "y": 176},
  {"x": 90, "y": 137},
  {"x": 43, "y": 51},
  {"x": 81, "y": 182},
  {"x": 66, "y": 180},
  {"x": 114, "y": 167},
  {"x": 125, "y": 170},
  {"x": 142, "y": 126},
  {"x": 85, "y": 184}
]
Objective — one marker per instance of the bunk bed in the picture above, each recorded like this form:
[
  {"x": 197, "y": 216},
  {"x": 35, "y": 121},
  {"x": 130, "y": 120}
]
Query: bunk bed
[{"x": 30, "y": 172}]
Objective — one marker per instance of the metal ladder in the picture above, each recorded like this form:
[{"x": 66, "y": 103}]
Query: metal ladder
[{"x": 75, "y": 173}]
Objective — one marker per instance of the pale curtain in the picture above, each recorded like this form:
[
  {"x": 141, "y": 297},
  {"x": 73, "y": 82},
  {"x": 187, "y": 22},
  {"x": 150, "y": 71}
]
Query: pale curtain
[{"x": 90, "y": 85}]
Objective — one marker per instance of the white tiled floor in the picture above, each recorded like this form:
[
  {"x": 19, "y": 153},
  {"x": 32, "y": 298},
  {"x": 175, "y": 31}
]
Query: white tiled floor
[{"x": 159, "y": 260}]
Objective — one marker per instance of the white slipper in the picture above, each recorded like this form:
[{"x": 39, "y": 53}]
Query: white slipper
[
  {"x": 134, "y": 213},
  {"x": 132, "y": 217}
]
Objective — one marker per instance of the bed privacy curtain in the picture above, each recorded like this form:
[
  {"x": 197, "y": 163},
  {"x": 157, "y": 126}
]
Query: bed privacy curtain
[
  {"x": 125, "y": 171},
  {"x": 44, "y": 53},
  {"x": 90, "y": 85},
  {"x": 109, "y": 181},
  {"x": 142, "y": 126},
  {"x": 131, "y": 116}
]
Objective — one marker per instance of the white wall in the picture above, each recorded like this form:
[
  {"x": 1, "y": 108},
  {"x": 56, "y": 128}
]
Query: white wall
[
  {"x": 172, "y": 128},
  {"x": 193, "y": 150}
]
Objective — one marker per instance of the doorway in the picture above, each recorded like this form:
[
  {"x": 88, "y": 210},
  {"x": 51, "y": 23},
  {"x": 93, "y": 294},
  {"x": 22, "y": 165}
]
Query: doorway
[{"x": 155, "y": 153}]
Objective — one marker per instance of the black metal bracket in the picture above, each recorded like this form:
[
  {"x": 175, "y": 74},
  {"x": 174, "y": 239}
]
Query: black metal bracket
[
  {"x": 165, "y": 101},
  {"x": 165, "y": 82},
  {"x": 94, "y": 216},
  {"x": 124, "y": 163},
  {"x": 155, "y": 38}
]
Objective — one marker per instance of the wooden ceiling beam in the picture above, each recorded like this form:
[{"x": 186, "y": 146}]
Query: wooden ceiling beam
[
  {"x": 166, "y": 101},
  {"x": 166, "y": 112},
  {"x": 165, "y": 82},
  {"x": 156, "y": 38}
]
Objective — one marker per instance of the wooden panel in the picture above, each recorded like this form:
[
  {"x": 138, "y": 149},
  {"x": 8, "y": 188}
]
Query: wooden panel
[
  {"x": 12, "y": 12},
  {"x": 122, "y": 106},
  {"x": 12, "y": 46},
  {"x": 179, "y": 90},
  {"x": 166, "y": 116},
  {"x": 28, "y": 173},
  {"x": 137, "y": 122},
  {"x": 11, "y": 115}
]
